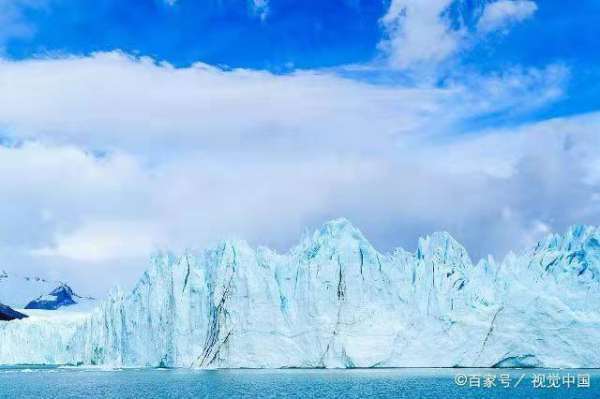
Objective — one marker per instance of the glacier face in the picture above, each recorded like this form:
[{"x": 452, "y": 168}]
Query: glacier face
[{"x": 334, "y": 301}]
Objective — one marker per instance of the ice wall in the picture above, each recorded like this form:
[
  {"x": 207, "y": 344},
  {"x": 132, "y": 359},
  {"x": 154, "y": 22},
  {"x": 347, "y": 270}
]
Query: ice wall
[{"x": 334, "y": 301}]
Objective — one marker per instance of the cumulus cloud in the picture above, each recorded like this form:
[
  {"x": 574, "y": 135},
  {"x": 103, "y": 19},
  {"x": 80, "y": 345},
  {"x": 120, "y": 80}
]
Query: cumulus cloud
[
  {"x": 510, "y": 187},
  {"x": 502, "y": 13},
  {"x": 507, "y": 183},
  {"x": 421, "y": 35},
  {"x": 107, "y": 157},
  {"x": 112, "y": 156}
]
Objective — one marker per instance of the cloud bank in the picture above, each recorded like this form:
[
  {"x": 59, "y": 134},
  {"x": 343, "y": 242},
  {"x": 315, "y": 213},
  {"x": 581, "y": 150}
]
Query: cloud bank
[
  {"x": 108, "y": 157},
  {"x": 147, "y": 107}
]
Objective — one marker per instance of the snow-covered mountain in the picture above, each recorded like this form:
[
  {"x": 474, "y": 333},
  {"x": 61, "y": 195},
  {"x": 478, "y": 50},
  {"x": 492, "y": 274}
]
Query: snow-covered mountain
[
  {"x": 17, "y": 291},
  {"x": 334, "y": 301},
  {"x": 27, "y": 292},
  {"x": 61, "y": 296}
]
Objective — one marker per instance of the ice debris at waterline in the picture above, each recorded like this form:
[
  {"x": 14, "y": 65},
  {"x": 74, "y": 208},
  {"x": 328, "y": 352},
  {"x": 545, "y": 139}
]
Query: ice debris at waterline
[{"x": 334, "y": 301}]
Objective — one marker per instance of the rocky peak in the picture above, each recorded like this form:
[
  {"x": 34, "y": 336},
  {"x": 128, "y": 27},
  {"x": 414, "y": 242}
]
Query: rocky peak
[
  {"x": 8, "y": 314},
  {"x": 61, "y": 296}
]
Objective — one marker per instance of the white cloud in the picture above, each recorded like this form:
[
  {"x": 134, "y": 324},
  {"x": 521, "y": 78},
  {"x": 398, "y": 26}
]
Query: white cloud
[
  {"x": 260, "y": 8},
  {"x": 538, "y": 174},
  {"x": 419, "y": 33},
  {"x": 502, "y": 13},
  {"x": 105, "y": 241},
  {"x": 118, "y": 155},
  {"x": 423, "y": 35},
  {"x": 110, "y": 100},
  {"x": 486, "y": 93},
  {"x": 65, "y": 203},
  {"x": 90, "y": 209},
  {"x": 57, "y": 188},
  {"x": 121, "y": 154}
]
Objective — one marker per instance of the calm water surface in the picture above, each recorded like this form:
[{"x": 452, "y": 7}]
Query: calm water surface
[{"x": 67, "y": 383}]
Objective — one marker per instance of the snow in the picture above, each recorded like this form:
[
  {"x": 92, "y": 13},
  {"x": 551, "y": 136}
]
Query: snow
[
  {"x": 60, "y": 297},
  {"x": 36, "y": 292},
  {"x": 334, "y": 301}
]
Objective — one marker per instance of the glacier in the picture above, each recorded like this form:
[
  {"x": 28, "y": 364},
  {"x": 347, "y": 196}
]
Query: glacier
[{"x": 334, "y": 301}]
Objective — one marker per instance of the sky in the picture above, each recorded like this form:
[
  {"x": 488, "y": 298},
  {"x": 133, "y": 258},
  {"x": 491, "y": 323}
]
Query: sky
[{"x": 128, "y": 127}]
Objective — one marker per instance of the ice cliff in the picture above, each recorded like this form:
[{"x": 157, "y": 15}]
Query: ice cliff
[{"x": 334, "y": 301}]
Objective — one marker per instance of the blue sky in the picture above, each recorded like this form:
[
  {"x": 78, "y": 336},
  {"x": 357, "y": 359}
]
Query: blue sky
[
  {"x": 136, "y": 125},
  {"x": 304, "y": 34},
  {"x": 285, "y": 35}
]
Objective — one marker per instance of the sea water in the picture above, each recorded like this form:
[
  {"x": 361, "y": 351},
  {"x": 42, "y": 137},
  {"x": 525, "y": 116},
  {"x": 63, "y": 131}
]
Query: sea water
[{"x": 64, "y": 383}]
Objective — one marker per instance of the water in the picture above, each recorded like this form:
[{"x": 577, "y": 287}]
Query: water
[{"x": 322, "y": 384}]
